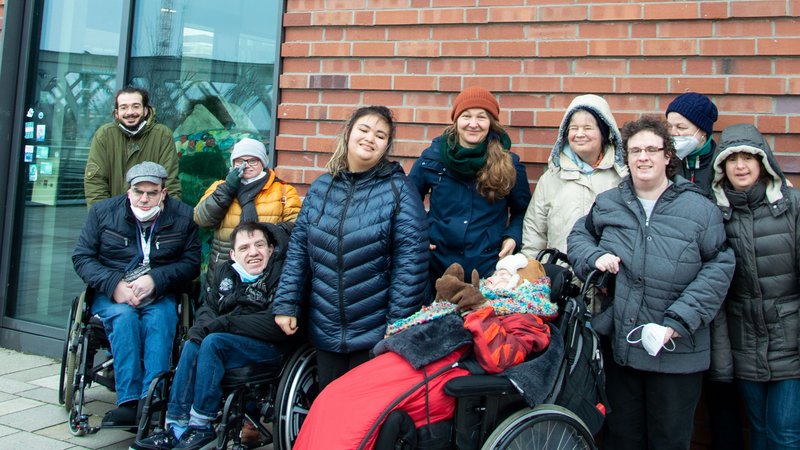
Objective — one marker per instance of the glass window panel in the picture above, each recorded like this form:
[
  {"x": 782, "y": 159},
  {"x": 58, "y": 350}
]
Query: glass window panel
[{"x": 69, "y": 96}]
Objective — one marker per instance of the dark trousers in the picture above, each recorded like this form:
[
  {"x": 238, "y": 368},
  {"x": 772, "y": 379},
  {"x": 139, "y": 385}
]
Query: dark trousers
[
  {"x": 649, "y": 410},
  {"x": 331, "y": 366},
  {"x": 725, "y": 420}
]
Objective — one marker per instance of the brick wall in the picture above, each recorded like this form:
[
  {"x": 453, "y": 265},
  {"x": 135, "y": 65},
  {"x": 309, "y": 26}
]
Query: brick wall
[{"x": 416, "y": 55}]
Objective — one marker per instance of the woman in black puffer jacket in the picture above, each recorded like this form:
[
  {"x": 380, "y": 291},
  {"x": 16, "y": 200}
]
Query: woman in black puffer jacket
[
  {"x": 762, "y": 221},
  {"x": 358, "y": 255}
]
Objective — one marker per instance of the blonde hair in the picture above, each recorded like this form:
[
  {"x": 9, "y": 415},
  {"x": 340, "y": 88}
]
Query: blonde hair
[
  {"x": 497, "y": 176},
  {"x": 338, "y": 161}
]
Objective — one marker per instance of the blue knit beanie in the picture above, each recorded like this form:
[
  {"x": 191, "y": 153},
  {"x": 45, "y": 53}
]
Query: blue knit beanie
[{"x": 697, "y": 108}]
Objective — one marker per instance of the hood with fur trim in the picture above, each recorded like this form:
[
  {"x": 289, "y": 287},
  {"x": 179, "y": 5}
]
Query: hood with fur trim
[
  {"x": 746, "y": 138},
  {"x": 599, "y": 106}
]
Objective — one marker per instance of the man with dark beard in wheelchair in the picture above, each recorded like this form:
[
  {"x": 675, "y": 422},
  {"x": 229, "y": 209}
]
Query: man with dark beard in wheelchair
[{"x": 233, "y": 328}]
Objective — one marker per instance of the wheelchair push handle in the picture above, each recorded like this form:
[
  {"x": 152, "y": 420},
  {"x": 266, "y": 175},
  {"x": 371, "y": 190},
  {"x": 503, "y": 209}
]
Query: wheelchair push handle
[{"x": 554, "y": 256}]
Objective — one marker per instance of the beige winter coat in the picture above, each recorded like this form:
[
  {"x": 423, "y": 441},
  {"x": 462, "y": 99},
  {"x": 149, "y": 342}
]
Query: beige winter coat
[{"x": 564, "y": 194}]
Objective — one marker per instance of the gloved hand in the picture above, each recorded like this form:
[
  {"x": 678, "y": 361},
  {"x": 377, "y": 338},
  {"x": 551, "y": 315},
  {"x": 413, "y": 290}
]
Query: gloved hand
[
  {"x": 234, "y": 178},
  {"x": 469, "y": 298},
  {"x": 450, "y": 283}
]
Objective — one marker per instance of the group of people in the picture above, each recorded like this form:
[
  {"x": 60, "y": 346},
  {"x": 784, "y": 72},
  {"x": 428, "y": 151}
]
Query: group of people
[{"x": 679, "y": 219}]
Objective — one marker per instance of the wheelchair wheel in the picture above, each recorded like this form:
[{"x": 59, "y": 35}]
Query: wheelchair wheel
[
  {"x": 297, "y": 388},
  {"x": 69, "y": 357},
  {"x": 545, "y": 427}
]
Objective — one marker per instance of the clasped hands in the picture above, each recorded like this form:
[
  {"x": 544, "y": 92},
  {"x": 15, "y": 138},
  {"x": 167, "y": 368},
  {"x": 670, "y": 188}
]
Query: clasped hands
[{"x": 132, "y": 293}]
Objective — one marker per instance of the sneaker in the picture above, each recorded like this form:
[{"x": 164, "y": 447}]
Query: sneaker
[
  {"x": 123, "y": 416},
  {"x": 163, "y": 440},
  {"x": 196, "y": 438}
]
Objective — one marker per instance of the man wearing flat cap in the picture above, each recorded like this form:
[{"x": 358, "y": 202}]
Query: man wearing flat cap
[{"x": 136, "y": 252}]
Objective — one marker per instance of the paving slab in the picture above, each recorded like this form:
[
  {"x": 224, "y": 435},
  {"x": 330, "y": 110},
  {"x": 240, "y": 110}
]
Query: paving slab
[
  {"x": 17, "y": 404},
  {"x": 23, "y": 440},
  {"x": 11, "y": 361},
  {"x": 12, "y": 386},
  {"x": 35, "y": 373},
  {"x": 4, "y": 430},
  {"x": 41, "y": 394},
  {"x": 35, "y": 418},
  {"x": 51, "y": 382},
  {"x": 101, "y": 439}
]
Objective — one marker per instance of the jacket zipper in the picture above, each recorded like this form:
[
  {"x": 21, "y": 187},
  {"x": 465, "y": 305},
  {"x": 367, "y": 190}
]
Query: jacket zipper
[{"x": 340, "y": 265}]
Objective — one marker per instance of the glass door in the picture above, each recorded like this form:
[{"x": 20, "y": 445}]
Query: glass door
[{"x": 71, "y": 85}]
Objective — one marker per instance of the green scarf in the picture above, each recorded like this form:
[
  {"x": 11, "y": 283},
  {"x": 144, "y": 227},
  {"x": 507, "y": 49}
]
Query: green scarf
[
  {"x": 691, "y": 160},
  {"x": 466, "y": 162}
]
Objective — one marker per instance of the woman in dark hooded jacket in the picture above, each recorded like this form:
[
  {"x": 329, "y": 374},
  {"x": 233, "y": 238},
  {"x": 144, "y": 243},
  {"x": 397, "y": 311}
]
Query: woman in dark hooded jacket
[
  {"x": 762, "y": 308},
  {"x": 358, "y": 256}
]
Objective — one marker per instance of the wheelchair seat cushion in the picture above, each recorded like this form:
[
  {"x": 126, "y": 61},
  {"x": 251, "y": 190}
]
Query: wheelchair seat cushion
[{"x": 256, "y": 373}]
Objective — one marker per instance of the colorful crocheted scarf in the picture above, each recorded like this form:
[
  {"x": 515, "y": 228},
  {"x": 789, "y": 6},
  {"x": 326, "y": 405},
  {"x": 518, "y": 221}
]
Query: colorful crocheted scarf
[{"x": 527, "y": 298}]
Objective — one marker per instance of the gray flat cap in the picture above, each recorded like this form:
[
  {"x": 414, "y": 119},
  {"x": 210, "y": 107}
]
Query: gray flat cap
[{"x": 146, "y": 171}]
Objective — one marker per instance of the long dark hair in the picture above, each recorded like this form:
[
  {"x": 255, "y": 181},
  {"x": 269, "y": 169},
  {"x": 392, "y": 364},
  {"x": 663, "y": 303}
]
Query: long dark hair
[{"x": 338, "y": 161}]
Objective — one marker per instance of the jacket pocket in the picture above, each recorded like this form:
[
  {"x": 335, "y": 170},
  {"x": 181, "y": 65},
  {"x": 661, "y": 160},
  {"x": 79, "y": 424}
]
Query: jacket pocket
[
  {"x": 110, "y": 240},
  {"x": 789, "y": 320},
  {"x": 169, "y": 243}
]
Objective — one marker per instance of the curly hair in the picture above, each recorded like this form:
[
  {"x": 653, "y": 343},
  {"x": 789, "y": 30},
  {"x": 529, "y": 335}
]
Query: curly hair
[
  {"x": 660, "y": 128},
  {"x": 498, "y": 175},
  {"x": 338, "y": 161}
]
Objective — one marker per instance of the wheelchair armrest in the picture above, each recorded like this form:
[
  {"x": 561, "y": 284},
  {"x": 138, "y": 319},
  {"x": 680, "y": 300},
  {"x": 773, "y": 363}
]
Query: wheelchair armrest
[{"x": 474, "y": 385}]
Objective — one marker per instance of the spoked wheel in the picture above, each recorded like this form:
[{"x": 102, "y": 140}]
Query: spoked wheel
[
  {"x": 69, "y": 357},
  {"x": 545, "y": 427},
  {"x": 298, "y": 387},
  {"x": 78, "y": 422}
]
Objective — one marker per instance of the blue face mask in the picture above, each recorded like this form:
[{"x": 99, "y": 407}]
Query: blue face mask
[{"x": 246, "y": 277}]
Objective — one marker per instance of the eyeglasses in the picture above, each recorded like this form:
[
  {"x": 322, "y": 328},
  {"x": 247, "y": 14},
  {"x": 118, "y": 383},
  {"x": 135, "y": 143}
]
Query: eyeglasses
[
  {"x": 250, "y": 162},
  {"x": 135, "y": 107},
  {"x": 651, "y": 149}
]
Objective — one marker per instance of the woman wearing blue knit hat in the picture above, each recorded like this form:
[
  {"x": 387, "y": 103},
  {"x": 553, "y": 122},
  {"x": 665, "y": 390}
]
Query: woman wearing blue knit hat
[{"x": 691, "y": 118}]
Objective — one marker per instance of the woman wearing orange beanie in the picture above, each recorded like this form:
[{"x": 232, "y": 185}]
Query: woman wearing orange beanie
[{"x": 478, "y": 189}]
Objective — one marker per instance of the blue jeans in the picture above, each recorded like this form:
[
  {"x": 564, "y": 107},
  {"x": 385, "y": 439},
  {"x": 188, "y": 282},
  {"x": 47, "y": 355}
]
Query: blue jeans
[
  {"x": 773, "y": 409},
  {"x": 201, "y": 368},
  {"x": 141, "y": 341}
]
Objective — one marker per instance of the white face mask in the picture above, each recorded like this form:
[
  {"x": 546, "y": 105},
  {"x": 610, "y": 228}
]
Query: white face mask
[
  {"x": 685, "y": 145},
  {"x": 243, "y": 274},
  {"x": 145, "y": 216},
  {"x": 652, "y": 338}
]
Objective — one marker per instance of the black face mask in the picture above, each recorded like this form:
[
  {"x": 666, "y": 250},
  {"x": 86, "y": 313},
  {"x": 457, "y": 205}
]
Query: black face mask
[{"x": 131, "y": 132}]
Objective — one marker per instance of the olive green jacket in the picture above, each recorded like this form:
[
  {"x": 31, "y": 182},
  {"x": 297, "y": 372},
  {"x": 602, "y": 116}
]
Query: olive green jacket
[{"x": 112, "y": 153}]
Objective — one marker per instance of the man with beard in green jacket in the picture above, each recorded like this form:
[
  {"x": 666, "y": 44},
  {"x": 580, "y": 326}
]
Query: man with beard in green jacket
[{"x": 132, "y": 138}]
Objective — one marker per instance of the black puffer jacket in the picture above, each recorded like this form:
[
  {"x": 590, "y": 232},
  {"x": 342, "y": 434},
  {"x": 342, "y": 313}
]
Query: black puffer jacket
[
  {"x": 361, "y": 244},
  {"x": 763, "y": 303},
  {"x": 109, "y": 242},
  {"x": 246, "y": 308},
  {"x": 674, "y": 271}
]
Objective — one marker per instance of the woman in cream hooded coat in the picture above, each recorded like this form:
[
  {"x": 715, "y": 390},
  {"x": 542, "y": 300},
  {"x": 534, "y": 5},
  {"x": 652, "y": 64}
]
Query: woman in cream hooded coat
[{"x": 586, "y": 160}]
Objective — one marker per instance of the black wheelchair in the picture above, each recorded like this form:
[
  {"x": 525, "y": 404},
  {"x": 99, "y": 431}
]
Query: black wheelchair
[{"x": 87, "y": 359}]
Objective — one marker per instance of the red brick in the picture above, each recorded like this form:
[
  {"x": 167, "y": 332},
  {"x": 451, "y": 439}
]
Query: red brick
[
  {"x": 725, "y": 120},
  {"x": 417, "y": 66},
  {"x": 296, "y": 19},
  {"x": 794, "y": 127},
  {"x": 500, "y": 15},
  {"x": 615, "y": 12},
  {"x": 454, "y": 33},
  {"x": 319, "y": 144},
  {"x": 406, "y": 83},
  {"x": 455, "y": 66},
  {"x": 588, "y": 84},
  {"x": 477, "y": 15},
  {"x": 372, "y": 49},
  {"x": 644, "y": 30},
  {"x": 787, "y": 67},
  {"x": 317, "y": 112},
  {"x": 744, "y": 103},
  {"x": 462, "y": 49},
  {"x": 292, "y": 96},
  {"x": 296, "y": 159},
  {"x": 402, "y": 114},
  {"x": 410, "y": 33},
  {"x": 536, "y": 84},
  {"x": 288, "y": 143},
  {"x": 714, "y": 10},
  {"x": 387, "y": 66},
  {"x": 366, "y": 34},
  {"x": 305, "y": 5},
  {"x": 501, "y": 32},
  {"x": 762, "y": 85},
  {"x": 291, "y": 111},
  {"x": 309, "y": 175},
  {"x": 442, "y": 16},
  {"x": 708, "y": 86},
  {"x": 418, "y": 49},
  {"x": 411, "y": 131},
  {"x": 744, "y": 66},
  {"x": 522, "y": 101},
  {"x": 671, "y": 11},
  {"x": 451, "y": 3},
  {"x": 334, "y": 34},
  {"x": 452, "y": 84},
  {"x": 300, "y": 65},
  {"x": 341, "y": 66},
  {"x": 552, "y": 31},
  {"x": 340, "y": 98},
  {"x": 323, "y": 18},
  {"x": 297, "y": 127},
  {"x": 498, "y": 66},
  {"x": 383, "y": 98},
  {"x": 347, "y": 4},
  {"x": 562, "y": 48},
  {"x": 548, "y": 119},
  {"x": 382, "y": 4},
  {"x": 700, "y": 66},
  {"x": 289, "y": 49},
  {"x": 513, "y": 49},
  {"x": 541, "y": 138},
  {"x": 521, "y": 118},
  {"x": 291, "y": 176},
  {"x": 630, "y": 85},
  {"x": 494, "y": 84},
  {"x": 293, "y": 81},
  {"x": 563, "y": 13},
  {"x": 546, "y": 66},
  {"x": 631, "y": 103},
  {"x": 670, "y": 47},
  {"x": 328, "y": 81},
  {"x": 693, "y": 29},
  {"x": 365, "y": 18},
  {"x": 603, "y": 30},
  {"x": 615, "y": 47},
  {"x": 782, "y": 46},
  {"x": 763, "y": 8},
  {"x": 787, "y": 27},
  {"x": 794, "y": 86},
  {"x": 370, "y": 82},
  {"x": 331, "y": 49},
  {"x": 772, "y": 124},
  {"x": 397, "y": 17},
  {"x": 295, "y": 35},
  {"x": 601, "y": 66},
  {"x": 739, "y": 28},
  {"x": 651, "y": 66}
]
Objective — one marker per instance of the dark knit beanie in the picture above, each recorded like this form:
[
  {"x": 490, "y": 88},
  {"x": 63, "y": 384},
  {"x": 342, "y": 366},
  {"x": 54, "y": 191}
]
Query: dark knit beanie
[
  {"x": 602, "y": 126},
  {"x": 697, "y": 108},
  {"x": 475, "y": 97}
]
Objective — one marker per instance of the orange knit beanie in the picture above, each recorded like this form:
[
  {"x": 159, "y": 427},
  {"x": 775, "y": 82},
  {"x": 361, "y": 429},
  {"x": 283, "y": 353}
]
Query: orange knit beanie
[{"x": 475, "y": 97}]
